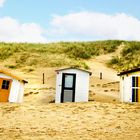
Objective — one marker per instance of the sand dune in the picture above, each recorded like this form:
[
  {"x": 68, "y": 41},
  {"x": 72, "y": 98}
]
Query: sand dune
[{"x": 39, "y": 118}]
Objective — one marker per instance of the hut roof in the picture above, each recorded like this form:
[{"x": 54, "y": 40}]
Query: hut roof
[
  {"x": 13, "y": 76},
  {"x": 74, "y": 68},
  {"x": 128, "y": 71}
]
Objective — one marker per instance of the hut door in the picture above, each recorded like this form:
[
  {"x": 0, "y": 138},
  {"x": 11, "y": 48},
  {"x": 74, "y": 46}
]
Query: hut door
[
  {"x": 135, "y": 89},
  {"x": 5, "y": 85},
  {"x": 68, "y": 87}
]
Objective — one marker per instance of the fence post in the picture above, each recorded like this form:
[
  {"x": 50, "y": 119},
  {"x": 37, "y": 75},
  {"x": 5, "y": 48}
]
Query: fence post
[
  {"x": 43, "y": 78},
  {"x": 101, "y": 75}
]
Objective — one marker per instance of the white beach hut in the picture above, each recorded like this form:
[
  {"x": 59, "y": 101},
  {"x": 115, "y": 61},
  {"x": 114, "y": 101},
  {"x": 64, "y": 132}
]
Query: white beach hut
[
  {"x": 11, "y": 87},
  {"x": 72, "y": 85},
  {"x": 130, "y": 85}
]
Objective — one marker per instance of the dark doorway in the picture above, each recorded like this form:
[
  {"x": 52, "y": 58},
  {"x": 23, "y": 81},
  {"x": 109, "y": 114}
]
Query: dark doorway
[{"x": 68, "y": 87}]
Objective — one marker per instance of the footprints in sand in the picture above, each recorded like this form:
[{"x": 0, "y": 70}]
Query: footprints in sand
[
  {"x": 6, "y": 109},
  {"x": 104, "y": 91},
  {"x": 42, "y": 95},
  {"x": 111, "y": 86},
  {"x": 102, "y": 120}
]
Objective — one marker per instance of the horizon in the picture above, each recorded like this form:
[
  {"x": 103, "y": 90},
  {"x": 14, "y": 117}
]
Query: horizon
[{"x": 65, "y": 41}]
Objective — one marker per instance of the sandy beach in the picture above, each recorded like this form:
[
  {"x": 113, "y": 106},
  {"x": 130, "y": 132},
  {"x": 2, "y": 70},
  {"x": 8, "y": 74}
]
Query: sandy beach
[
  {"x": 85, "y": 121},
  {"x": 39, "y": 118}
]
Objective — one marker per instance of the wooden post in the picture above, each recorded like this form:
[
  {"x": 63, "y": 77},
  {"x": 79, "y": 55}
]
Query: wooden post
[
  {"x": 43, "y": 78},
  {"x": 101, "y": 75}
]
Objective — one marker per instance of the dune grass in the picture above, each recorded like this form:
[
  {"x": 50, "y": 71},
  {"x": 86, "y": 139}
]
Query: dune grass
[
  {"x": 54, "y": 54},
  {"x": 19, "y": 55},
  {"x": 128, "y": 58}
]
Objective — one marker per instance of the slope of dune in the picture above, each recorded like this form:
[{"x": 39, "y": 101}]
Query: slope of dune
[{"x": 39, "y": 118}]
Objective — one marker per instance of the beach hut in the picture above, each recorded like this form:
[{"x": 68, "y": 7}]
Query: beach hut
[
  {"x": 130, "y": 85},
  {"x": 11, "y": 87},
  {"x": 72, "y": 85}
]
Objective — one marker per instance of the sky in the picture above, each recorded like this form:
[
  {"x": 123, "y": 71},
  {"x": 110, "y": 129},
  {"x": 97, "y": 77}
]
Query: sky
[{"x": 69, "y": 20}]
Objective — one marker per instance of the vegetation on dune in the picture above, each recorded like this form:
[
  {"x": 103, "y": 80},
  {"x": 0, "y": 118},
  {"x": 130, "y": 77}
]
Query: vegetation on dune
[
  {"x": 19, "y": 55},
  {"x": 86, "y": 50},
  {"x": 54, "y": 54},
  {"x": 128, "y": 58}
]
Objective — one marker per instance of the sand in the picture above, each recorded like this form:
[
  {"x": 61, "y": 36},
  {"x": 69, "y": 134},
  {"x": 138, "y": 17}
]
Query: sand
[
  {"x": 85, "y": 121},
  {"x": 39, "y": 118}
]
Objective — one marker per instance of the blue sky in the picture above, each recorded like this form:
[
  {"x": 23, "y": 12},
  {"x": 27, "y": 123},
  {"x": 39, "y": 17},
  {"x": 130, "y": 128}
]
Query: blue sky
[{"x": 63, "y": 20}]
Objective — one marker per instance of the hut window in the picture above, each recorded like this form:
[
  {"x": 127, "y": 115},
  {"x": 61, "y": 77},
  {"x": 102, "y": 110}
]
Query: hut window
[
  {"x": 135, "y": 81},
  {"x": 135, "y": 89},
  {"x": 68, "y": 81},
  {"x": 5, "y": 84}
]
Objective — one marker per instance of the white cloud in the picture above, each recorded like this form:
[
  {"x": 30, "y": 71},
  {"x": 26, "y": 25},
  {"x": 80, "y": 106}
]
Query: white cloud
[
  {"x": 12, "y": 31},
  {"x": 92, "y": 26},
  {"x": 2, "y": 3},
  {"x": 72, "y": 27}
]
